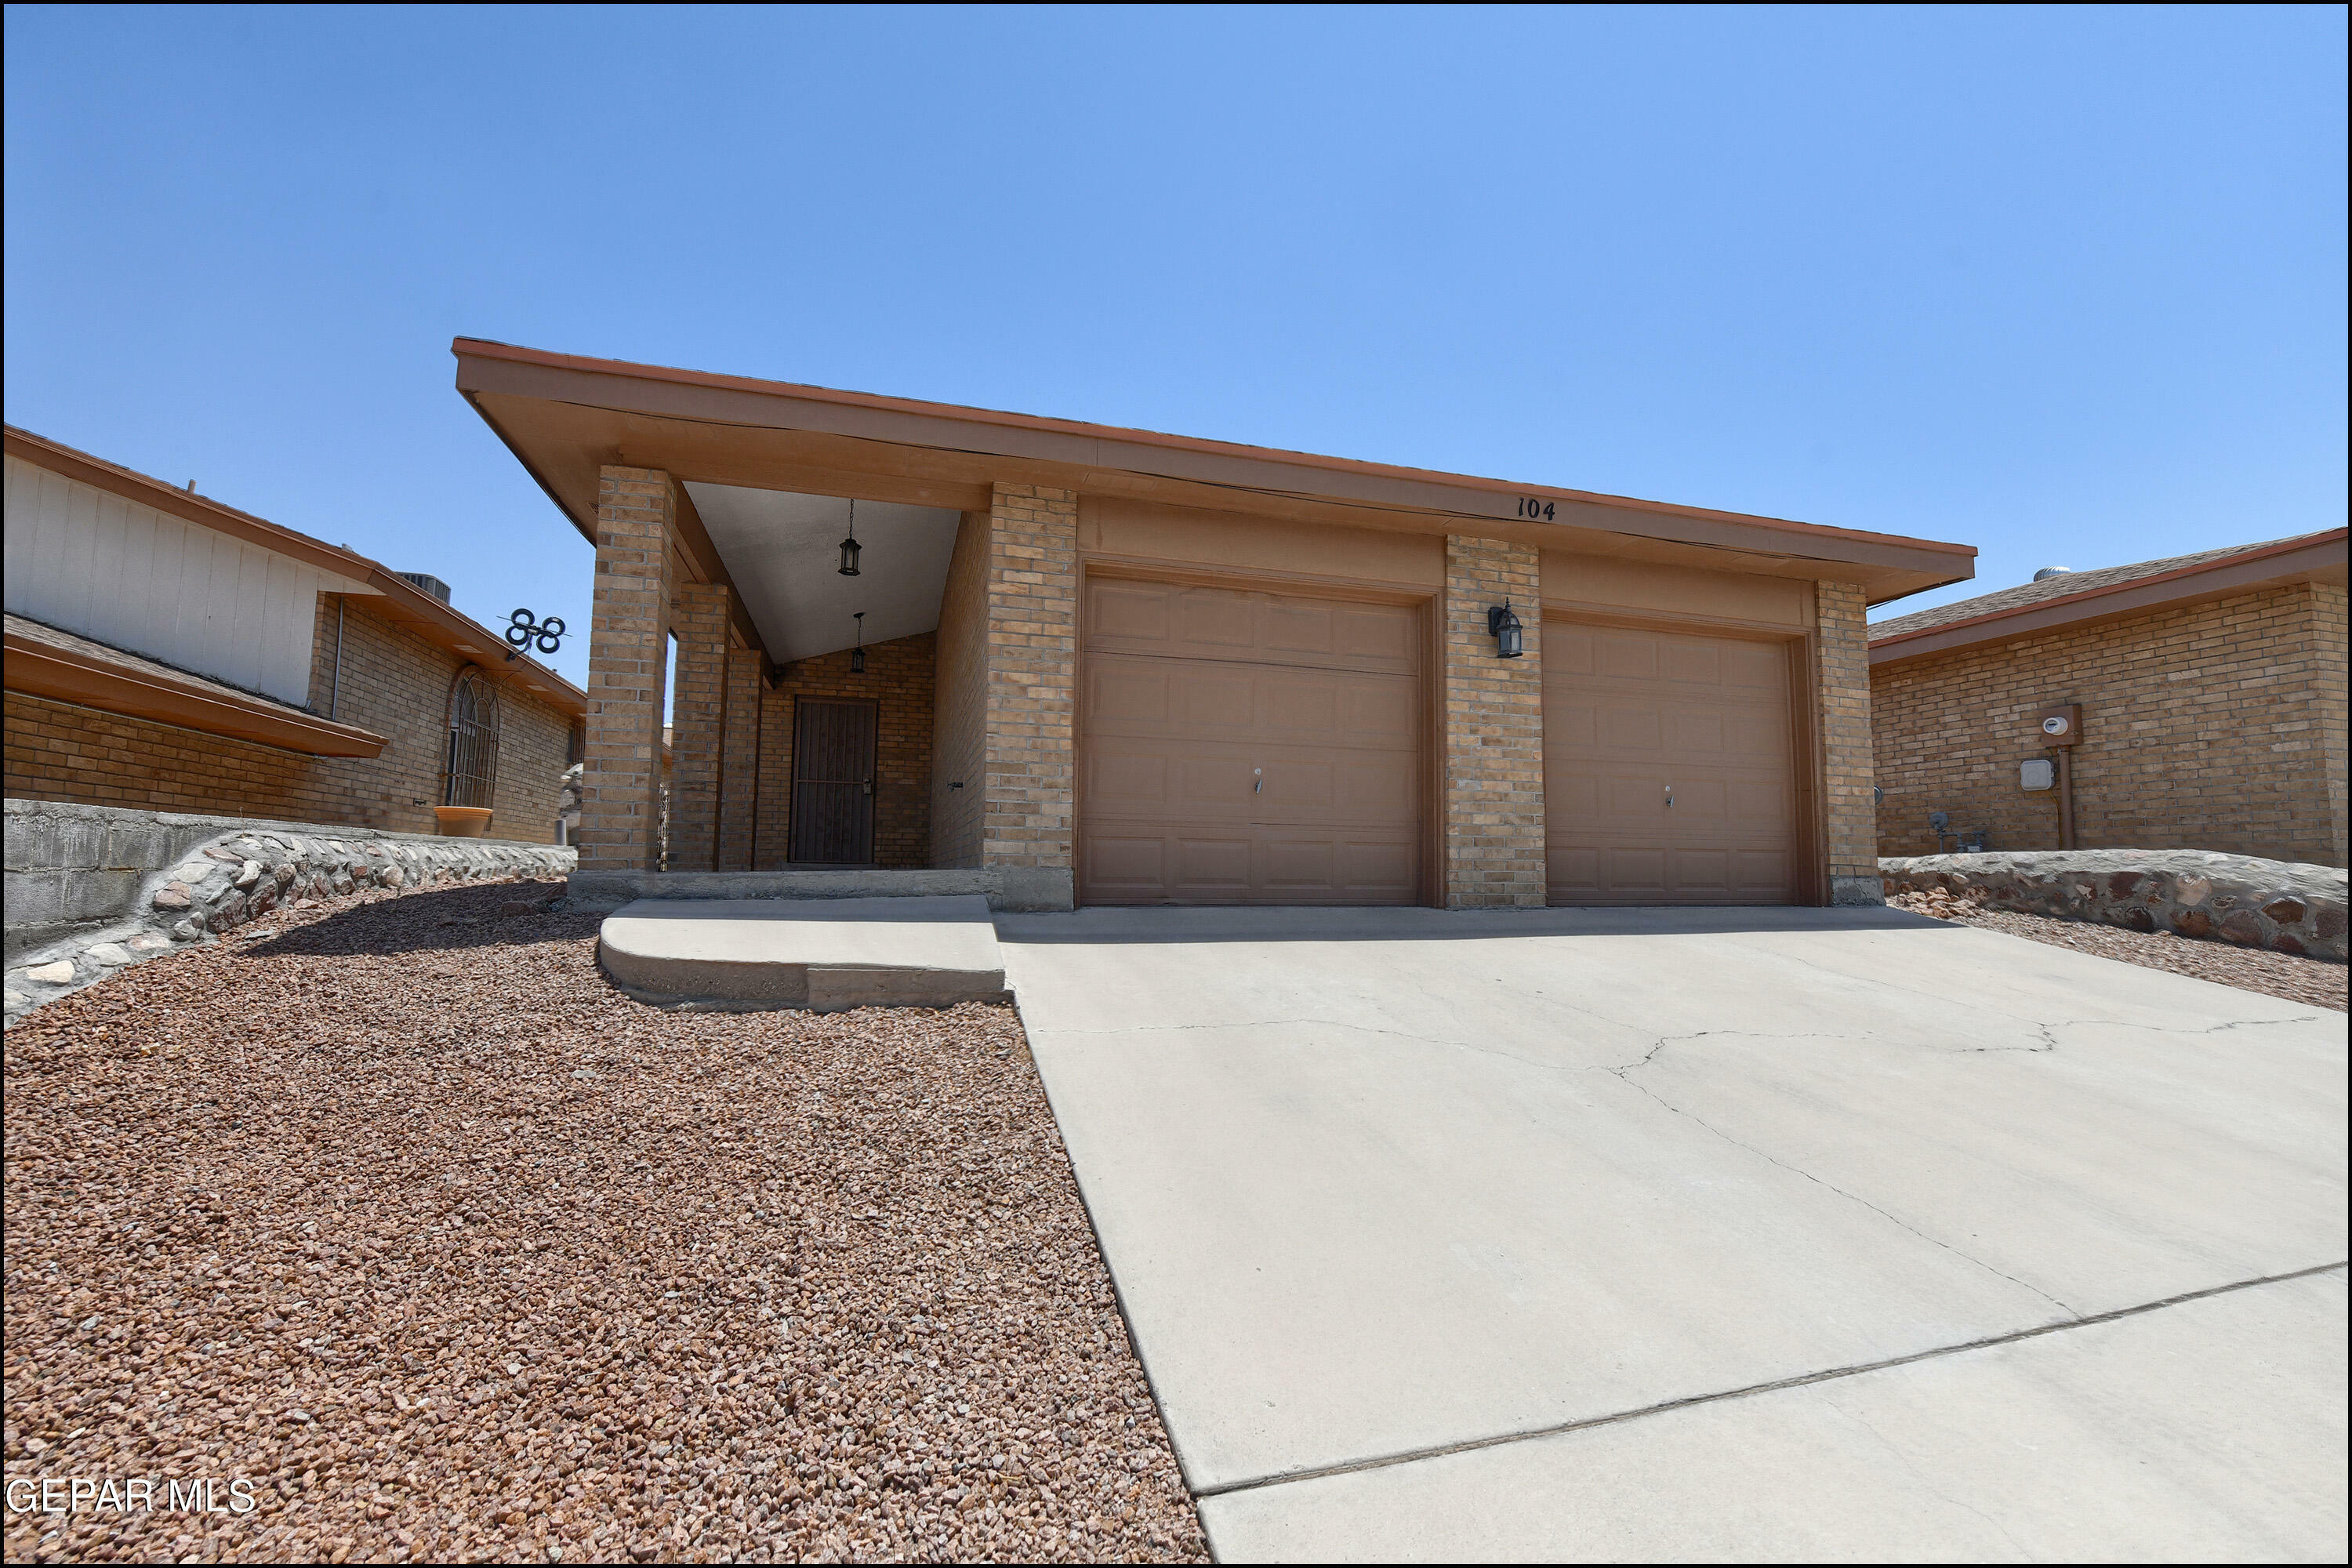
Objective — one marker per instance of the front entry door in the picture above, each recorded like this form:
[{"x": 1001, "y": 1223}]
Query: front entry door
[{"x": 833, "y": 783}]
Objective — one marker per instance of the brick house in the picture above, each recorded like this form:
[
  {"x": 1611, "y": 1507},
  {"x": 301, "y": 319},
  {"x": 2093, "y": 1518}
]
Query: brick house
[
  {"x": 167, "y": 652},
  {"x": 2211, "y": 691},
  {"x": 1132, "y": 667}
]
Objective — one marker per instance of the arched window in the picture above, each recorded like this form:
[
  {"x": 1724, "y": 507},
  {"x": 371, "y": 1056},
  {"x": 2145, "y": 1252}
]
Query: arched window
[{"x": 473, "y": 760}]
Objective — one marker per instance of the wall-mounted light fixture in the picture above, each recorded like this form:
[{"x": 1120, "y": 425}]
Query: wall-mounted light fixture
[
  {"x": 1504, "y": 628},
  {"x": 849, "y": 545},
  {"x": 857, "y": 654}
]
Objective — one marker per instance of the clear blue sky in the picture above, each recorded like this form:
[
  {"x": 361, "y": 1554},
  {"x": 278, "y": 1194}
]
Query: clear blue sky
[{"x": 2068, "y": 285}]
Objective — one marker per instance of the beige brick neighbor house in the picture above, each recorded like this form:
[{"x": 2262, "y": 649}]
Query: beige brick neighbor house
[
  {"x": 166, "y": 652},
  {"x": 2198, "y": 703},
  {"x": 1134, "y": 667}
]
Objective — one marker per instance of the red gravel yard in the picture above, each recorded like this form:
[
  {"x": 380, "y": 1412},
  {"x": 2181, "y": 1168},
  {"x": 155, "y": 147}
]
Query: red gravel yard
[{"x": 400, "y": 1215}]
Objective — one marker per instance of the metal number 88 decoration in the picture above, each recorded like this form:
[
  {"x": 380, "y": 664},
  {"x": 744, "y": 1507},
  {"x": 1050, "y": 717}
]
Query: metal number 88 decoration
[{"x": 548, "y": 632}]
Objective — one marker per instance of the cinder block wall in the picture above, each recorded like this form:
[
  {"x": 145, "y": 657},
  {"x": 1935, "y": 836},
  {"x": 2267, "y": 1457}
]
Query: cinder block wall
[
  {"x": 897, "y": 678},
  {"x": 2218, "y": 726},
  {"x": 394, "y": 683}
]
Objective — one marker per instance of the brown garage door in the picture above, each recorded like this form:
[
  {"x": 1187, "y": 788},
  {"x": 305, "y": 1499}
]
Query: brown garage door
[
  {"x": 1667, "y": 776},
  {"x": 1247, "y": 748}
]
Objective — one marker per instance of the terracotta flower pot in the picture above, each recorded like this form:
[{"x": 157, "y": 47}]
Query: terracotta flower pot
[{"x": 461, "y": 821}]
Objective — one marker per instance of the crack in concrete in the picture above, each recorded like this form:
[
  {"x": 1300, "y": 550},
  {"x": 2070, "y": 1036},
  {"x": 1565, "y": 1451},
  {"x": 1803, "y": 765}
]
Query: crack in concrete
[
  {"x": 1850, "y": 1197},
  {"x": 1802, "y": 1380},
  {"x": 1927, "y": 1480}
]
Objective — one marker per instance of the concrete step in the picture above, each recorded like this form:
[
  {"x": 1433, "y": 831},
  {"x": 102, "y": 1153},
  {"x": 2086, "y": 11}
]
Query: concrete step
[{"x": 824, "y": 955}]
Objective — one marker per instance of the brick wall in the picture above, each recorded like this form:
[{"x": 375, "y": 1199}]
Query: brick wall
[
  {"x": 2217, "y": 726},
  {"x": 738, "y": 773},
  {"x": 394, "y": 683},
  {"x": 960, "y": 713},
  {"x": 1493, "y": 792},
  {"x": 1033, "y": 642},
  {"x": 898, "y": 680},
  {"x": 697, "y": 619},
  {"x": 1841, "y": 684},
  {"x": 628, "y": 657}
]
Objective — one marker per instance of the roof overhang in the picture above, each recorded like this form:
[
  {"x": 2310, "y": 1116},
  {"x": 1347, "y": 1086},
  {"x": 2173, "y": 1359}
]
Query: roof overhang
[
  {"x": 401, "y": 601},
  {"x": 2319, "y": 558},
  {"x": 565, "y": 417},
  {"x": 65, "y": 675}
]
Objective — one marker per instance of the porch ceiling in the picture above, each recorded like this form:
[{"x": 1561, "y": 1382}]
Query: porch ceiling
[{"x": 782, "y": 548}]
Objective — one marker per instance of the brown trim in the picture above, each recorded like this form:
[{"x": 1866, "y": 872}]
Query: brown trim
[
  {"x": 2314, "y": 557},
  {"x": 402, "y": 601},
  {"x": 978, "y": 445},
  {"x": 63, "y": 675}
]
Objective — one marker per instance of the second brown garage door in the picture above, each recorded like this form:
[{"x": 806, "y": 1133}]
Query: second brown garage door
[
  {"x": 1667, "y": 768},
  {"x": 1247, "y": 748}
]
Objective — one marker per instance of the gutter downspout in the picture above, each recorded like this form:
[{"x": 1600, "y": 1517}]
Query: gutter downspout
[{"x": 335, "y": 690}]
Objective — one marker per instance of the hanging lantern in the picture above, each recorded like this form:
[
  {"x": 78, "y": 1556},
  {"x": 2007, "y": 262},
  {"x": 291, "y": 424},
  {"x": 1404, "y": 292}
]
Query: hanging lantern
[
  {"x": 1505, "y": 628},
  {"x": 857, "y": 654},
  {"x": 849, "y": 545}
]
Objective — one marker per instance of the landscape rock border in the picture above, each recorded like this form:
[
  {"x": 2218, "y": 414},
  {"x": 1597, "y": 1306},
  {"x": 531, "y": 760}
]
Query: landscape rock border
[
  {"x": 240, "y": 875},
  {"x": 2285, "y": 906}
]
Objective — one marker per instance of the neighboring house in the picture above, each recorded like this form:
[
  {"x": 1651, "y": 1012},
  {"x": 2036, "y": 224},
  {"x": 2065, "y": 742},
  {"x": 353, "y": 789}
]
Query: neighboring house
[
  {"x": 2211, "y": 696},
  {"x": 167, "y": 652},
  {"x": 1132, "y": 668}
]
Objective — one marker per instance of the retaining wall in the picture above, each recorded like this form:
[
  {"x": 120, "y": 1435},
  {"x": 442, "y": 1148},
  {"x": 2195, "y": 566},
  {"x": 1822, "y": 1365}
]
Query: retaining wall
[
  {"x": 99, "y": 887},
  {"x": 2283, "y": 905}
]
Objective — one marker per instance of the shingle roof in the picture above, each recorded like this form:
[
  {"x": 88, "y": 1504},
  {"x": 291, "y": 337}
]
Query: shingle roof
[
  {"x": 2026, "y": 593},
  {"x": 72, "y": 642}
]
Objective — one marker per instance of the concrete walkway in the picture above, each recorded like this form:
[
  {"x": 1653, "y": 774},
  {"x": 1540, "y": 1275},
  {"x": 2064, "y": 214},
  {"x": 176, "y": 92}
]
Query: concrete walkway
[
  {"x": 824, "y": 954},
  {"x": 1755, "y": 1234}
]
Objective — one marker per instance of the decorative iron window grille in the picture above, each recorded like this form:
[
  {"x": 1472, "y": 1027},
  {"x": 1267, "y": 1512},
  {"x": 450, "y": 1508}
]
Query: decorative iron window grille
[{"x": 473, "y": 760}]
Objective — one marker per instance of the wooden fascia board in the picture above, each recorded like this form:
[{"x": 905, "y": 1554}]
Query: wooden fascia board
[
  {"x": 694, "y": 546},
  {"x": 1083, "y": 457},
  {"x": 2314, "y": 561},
  {"x": 63, "y": 675},
  {"x": 186, "y": 505},
  {"x": 404, "y": 601}
]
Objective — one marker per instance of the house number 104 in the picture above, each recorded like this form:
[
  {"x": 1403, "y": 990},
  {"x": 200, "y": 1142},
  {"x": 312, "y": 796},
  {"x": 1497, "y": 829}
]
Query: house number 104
[{"x": 1532, "y": 506}]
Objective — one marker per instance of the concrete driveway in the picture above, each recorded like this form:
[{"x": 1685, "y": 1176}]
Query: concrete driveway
[{"x": 1827, "y": 1235}]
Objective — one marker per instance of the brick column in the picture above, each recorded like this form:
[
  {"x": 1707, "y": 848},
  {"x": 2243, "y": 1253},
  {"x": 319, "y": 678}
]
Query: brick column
[
  {"x": 738, "y": 769},
  {"x": 1842, "y": 681},
  {"x": 699, "y": 617},
  {"x": 1030, "y": 811},
  {"x": 1494, "y": 791},
  {"x": 628, "y": 655}
]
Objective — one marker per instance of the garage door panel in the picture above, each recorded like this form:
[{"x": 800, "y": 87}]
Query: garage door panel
[
  {"x": 1127, "y": 783},
  {"x": 1209, "y": 861},
  {"x": 1699, "y": 663},
  {"x": 1267, "y": 747},
  {"x": 1168, "y": 620},
  {"x": 1626, "y": 656},
  {"x": 1133, "y": 863},
  {"x": 1627, "y": 713}
]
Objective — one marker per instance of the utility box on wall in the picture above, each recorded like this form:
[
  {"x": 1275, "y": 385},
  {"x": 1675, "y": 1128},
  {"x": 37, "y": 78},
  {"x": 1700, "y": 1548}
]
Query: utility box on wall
[
  {"x": 2061, "y": 726},
  {"x": 2036, "y": 773}
]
